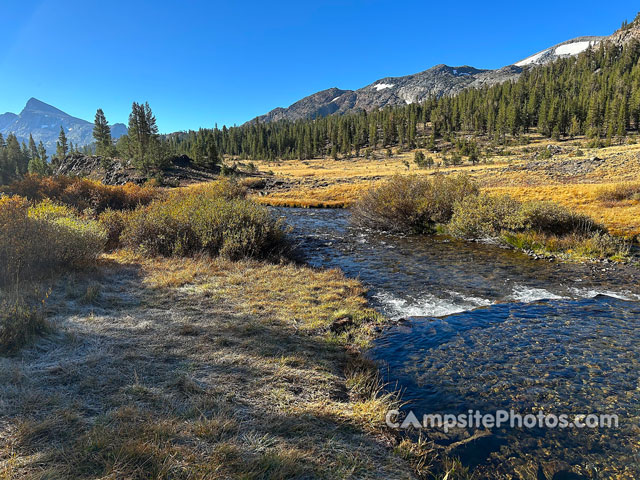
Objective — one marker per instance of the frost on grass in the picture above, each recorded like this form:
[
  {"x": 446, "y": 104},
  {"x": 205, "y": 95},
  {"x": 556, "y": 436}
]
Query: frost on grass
[{"x": 193, "y": 368}]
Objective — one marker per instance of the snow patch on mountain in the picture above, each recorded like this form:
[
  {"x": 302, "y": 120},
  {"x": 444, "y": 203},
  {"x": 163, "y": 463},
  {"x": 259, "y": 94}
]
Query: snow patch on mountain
[
  {"x": 531, "y": 59},
  {"x": 382, "y": 86},
  {"x": 573, "y": 48},
  {"x": 565, "y": 49}
]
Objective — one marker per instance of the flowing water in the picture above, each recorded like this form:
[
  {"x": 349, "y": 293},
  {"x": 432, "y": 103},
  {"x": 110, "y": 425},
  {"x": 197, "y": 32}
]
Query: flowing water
[{"x": 490, "y": 329}]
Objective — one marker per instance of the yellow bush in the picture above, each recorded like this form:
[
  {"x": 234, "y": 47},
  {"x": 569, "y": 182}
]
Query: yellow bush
[
  {"x": 551, "y": 218},
  {"x": 39, "y": 239},
  {"x": 481, "y": 216},
  {"x": 114, "y": 223},
  {"x": 223, "y": 188},
  {"x": 487, "y": 216}
]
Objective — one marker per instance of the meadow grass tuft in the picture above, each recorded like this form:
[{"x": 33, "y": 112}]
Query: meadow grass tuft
[
  {"x": 20, "y": 322},
  {"x": 627, "y": 191}
]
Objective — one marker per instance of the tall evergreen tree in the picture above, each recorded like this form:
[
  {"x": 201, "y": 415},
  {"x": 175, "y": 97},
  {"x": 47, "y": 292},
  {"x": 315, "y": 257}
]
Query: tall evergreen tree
[
  {"x": 102, "y": 135},
  {"x": 143, "y": 142},
  {"x": 62, "y": 148},
  {"x": 42, "y": 152},
  {"x": 33, "y": 150},
  {"x": 5, "y": 171}
]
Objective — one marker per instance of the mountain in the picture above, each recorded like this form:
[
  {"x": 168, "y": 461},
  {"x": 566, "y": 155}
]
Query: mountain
[
  {"x": 43, "y": 121},
  {"x": 436, "y": 81}
]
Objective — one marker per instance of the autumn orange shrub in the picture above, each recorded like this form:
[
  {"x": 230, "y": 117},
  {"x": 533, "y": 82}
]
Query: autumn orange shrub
[{"x": 82, "y": 193}]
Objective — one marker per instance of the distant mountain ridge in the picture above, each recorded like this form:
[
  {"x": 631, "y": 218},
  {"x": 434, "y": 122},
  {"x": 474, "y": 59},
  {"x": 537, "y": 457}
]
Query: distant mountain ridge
[
  {"x": 436, "y": 81},
  {"x": 43, "y": 122}
]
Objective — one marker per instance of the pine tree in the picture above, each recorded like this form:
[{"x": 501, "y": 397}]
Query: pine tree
[
  {"x": 62, "y": 147},
  {"x": 23, "y": 160},
  {"x": 42, "y": 152},
  {"x": 33, "y": 150},
  {"x": 14, "y": 156},
  {"x": 143, "y": 137},
  {"x": 102, "y": 135},
  {"x": 5, "y": 171},
  {"x": 213, "y": 157}
]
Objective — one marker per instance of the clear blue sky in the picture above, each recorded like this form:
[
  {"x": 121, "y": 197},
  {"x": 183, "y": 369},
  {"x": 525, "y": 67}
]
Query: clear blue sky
[{"x": 200, "y": 62}]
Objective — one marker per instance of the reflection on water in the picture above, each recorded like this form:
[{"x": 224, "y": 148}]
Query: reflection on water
[{"x": 492, "y": 329}]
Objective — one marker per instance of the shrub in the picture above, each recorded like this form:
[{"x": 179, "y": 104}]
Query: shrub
[
  {"x": 482, "y": 216},
  {"x": 82, "y": 193},
  {"x": 37, "y": 240},
  {"x": 223, "y": 188},
  {"x": 211, "y": 219},
  {"x": 486, "y": 216},
  {"x": 603, "y": 245},
  {"x": 546, "y": 153},
  {"x": 597, "y": 245},
  {"x": 70, "y": 239},
  {"x": 412, "y": 204},
  {"x": 421, "y": 160},
  {"x": 113, "y": 222},
  {"x": 551, "y": 218}
]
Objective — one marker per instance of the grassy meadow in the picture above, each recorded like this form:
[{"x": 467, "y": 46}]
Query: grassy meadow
[
  {"x": 209, "y": 355},
  {"x": 519, "y": 170}
]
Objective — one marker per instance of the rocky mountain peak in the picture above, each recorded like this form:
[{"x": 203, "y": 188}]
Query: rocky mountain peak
[
  {"x": 43, "y": 122},
  {"x": 627, "y": 33},
  {"x": 37, "y": 106}
]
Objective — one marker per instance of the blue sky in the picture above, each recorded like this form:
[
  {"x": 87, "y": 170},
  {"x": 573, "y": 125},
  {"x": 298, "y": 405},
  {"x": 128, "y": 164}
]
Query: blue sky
[{"x": 204, "y": 62}]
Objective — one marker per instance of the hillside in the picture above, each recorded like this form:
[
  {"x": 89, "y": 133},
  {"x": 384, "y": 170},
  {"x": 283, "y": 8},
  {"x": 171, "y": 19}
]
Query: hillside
[
  {"x": 43, "y": 121},
  {"x": 434, "y": 82}
]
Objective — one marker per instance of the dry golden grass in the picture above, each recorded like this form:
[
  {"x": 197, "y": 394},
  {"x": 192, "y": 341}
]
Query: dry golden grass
[
  {"x": 198, "y": 368},
  {"x": 334, "y": 196},
  {"x": 517, "y": 171}
]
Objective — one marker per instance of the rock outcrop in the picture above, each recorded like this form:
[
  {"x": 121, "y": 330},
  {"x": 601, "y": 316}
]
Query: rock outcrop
[{"x": 118, "y": 172}]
